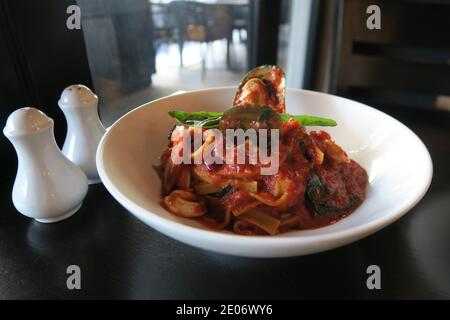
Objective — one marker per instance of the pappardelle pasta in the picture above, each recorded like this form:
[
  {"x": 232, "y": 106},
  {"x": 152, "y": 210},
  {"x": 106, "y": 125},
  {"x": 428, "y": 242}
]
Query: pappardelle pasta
[{"x": 315, "y": 184}]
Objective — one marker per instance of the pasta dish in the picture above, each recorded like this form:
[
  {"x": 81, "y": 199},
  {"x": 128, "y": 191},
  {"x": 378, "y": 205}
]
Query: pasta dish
[{"x": 294, "y": 179}]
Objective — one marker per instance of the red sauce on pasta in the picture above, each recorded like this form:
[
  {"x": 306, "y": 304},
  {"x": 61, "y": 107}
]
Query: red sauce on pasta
[
  {"x": 316, "y": 184},
  {"x": 289, "y": 196}
]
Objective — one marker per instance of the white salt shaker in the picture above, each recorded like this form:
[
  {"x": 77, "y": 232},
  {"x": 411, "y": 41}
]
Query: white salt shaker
[
  {"x": 84, "y": 129},
  {"x": 48, "y": 186}
]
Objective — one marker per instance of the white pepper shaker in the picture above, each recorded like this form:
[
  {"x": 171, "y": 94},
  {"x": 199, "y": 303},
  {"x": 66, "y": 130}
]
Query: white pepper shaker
[
  {"x": 84, "y": 129},
  {"x": 48, "y": 186}
]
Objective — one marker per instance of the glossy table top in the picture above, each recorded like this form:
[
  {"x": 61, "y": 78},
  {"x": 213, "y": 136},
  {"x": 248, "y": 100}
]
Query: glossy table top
[{"x": 122, "y": 258}]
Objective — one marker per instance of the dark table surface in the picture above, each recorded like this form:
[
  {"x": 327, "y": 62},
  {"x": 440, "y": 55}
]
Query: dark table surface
[{"x": 120, "y": 257}]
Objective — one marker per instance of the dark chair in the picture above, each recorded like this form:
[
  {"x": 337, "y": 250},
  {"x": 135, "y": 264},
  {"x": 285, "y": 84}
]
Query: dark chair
[
  {"x": 202, "y": 23},
  {"x": 239, "y": 18},
  {"x": 163, "y": 23},
  {"x": 406, "y": 63}
]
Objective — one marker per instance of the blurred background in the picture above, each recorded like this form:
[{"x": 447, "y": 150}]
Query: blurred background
[
  {"x": 133, "y": 51},
  {"x": 149, "y": 49}
]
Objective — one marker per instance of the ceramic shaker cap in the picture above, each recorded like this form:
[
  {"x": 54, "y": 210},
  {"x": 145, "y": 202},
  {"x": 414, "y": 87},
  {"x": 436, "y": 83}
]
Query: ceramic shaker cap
[
  {"x": 26, "y": 121},
  {"x": 77, "y": 95}
]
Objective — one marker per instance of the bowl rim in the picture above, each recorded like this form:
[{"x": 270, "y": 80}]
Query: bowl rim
[{"x": 356, "y": 232}]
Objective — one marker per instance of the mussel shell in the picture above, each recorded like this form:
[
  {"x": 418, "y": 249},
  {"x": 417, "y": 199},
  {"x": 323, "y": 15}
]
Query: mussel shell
[
  {"x": 263, "y": 85},
  {"x": 250, "y": 117}
]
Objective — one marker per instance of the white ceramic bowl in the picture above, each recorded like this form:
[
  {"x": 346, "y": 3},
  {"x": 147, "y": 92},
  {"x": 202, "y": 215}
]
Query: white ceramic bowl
[{"x": 398, "y": 164}]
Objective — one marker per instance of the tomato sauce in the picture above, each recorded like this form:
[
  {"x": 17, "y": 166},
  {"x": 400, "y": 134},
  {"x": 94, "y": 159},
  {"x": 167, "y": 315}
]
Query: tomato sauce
[
  {"x": 345, "y": 184},
  {"x": 316, "y": 185}
]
